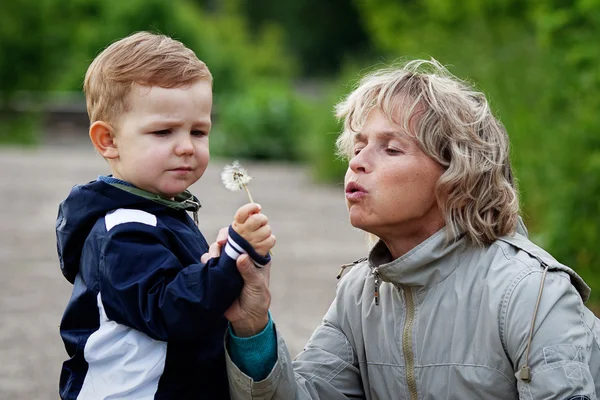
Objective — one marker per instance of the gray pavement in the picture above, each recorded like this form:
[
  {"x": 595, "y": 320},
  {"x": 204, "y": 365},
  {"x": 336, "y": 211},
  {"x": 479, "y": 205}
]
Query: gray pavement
[{"x": 309, "y": 220}]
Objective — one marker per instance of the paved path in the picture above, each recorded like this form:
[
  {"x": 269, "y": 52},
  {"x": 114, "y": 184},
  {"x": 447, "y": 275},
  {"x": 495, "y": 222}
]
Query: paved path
[{"x": 310, "y": 223}]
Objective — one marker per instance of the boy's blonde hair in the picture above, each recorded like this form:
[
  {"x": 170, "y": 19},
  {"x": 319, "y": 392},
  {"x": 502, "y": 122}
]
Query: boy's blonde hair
[
  {"x": 453, "y": 124},
  {"x": 142, "y": 58}
]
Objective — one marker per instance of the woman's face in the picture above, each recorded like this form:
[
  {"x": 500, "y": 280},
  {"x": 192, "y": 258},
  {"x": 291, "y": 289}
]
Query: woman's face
[{"x": 390, "y": 183}]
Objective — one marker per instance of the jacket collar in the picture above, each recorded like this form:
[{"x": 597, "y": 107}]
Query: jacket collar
[
  {"x": 183, "y": 201},
  {"x": 427, "y": 264}
]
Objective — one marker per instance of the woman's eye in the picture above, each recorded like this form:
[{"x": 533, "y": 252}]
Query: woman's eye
[
  {"x": 391, "y": 151},
  {"x": 356, "y": 151}
]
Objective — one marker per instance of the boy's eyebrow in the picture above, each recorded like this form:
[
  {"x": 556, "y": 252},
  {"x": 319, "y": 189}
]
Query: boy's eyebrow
[{"x": 175, "y": 121}]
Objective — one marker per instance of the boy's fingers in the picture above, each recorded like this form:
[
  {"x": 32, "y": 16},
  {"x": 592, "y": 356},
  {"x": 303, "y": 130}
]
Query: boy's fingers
[
  {"x": 270, "y": 241},
  {"x": 213, "y": 251},
  {"x": 245, "y": 211},
  {"x": 222, "y": 236},
  {"x": 264, "y": 246},
  {"x": 262, "y": 233},
  {"x": 255, "y": 222}
]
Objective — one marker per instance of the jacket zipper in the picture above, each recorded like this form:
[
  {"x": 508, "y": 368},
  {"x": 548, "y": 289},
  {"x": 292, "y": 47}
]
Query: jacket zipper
[
  {"x": 353, "y": 263},
  {"x": 195, "y": 211},
  {"x": 409, "y": 357},
  {"x": 377, "y": 278}
]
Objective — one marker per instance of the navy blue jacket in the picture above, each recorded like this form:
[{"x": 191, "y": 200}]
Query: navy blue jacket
[{"x": 145, "y": 319}]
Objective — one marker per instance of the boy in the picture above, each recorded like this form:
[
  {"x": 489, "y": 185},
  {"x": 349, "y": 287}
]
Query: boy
[{"x": 145, "y": 320}]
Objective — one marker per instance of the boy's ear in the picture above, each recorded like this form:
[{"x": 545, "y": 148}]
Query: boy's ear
[{"x": 103, "y": 139}]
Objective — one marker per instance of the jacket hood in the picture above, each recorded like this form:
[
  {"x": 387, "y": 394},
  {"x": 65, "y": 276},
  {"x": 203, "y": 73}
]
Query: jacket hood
[{"x": 78, "y": 213}]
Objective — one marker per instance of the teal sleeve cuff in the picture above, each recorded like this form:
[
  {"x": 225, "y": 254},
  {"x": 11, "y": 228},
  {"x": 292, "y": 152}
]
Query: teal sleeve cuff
[{"x": 256, "y": 355}]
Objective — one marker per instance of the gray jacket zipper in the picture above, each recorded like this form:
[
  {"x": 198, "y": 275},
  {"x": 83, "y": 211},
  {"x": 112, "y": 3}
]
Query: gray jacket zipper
[
  {"x": 353, "y": 263},
  {"x": 377, "y": 277},
  {"x": 409, "y": 357}
]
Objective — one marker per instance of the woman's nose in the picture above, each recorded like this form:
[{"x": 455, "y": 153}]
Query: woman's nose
[{"x": 360, "y": 162}]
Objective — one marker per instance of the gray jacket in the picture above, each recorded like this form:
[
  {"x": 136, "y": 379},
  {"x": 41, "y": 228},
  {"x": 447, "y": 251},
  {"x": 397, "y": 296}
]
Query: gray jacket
[{"x": 452, "y": 322}]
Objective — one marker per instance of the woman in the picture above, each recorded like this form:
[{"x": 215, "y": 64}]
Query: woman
[{"x": 449, "y": 303}]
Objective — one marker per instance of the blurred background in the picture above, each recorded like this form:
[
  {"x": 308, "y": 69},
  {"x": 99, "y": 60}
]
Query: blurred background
[{"x": 280, "y": 66}]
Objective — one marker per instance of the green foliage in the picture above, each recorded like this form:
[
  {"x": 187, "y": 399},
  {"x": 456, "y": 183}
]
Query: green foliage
[
  {"x": 55, "y": 55},
  {"x": 324, "y": 128},
  {"x": 537, "y": 61},
  {"x": 578, "y": 236},
  {"x": 320, "y": 147},
  {"x": 31, "y": 44},
  {"x": 574, "y": 231},
  {"x": 20, "y": 129},
  {"x": 321, "y": 34},
  {"x": 221, "y": 40},
  {"x": 264, "y": 121}
]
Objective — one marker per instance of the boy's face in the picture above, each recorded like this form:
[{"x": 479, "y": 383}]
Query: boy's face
[{"x": 162, "y": 139}]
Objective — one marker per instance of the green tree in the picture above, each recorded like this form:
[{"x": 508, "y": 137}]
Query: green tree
[
  {"x": 537, "y": 61},
  {"x": 321, "y": 34},
  {"x": 54, "y": 56}
]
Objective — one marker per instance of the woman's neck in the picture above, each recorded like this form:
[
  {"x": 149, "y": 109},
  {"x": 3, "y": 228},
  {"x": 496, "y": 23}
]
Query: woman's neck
[{"x": 401, "y": 241}]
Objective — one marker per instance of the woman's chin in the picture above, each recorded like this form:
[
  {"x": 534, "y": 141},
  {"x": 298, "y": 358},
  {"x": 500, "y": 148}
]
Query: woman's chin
[
  {"x": 355, "y": 222},
  {"x": 359, "y": 223}
]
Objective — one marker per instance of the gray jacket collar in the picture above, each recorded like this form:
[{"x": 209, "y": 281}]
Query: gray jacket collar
[
  {"x": 434, "y": 260},
  {"x": 427, "y": 264}
]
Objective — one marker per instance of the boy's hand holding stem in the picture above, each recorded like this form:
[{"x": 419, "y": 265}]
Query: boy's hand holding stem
[
  {"x": 248, "y": 314},
  {"x": 253, "y": 226},
  {"x": 235, "y": 178}
]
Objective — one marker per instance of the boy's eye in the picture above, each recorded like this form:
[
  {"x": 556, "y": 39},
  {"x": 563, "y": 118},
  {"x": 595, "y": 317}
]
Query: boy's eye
[
  {"x": 198, "y": 133},
  {"x": 162, "y": 132}
]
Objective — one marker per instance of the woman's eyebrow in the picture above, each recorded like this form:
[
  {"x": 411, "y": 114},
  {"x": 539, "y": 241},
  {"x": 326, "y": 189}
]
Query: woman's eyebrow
[
  {"x": 387, "y": 134},
  {"x": 390, "y": 135}
]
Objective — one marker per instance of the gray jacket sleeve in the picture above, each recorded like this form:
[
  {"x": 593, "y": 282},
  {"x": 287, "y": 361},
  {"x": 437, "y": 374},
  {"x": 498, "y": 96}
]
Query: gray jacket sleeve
[
  {"x": 327, "y": 368},
  {"x": 561, "y": 343}
]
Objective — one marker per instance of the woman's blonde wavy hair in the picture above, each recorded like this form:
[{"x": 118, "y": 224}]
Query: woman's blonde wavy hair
[{"x": 453, "y": 124}]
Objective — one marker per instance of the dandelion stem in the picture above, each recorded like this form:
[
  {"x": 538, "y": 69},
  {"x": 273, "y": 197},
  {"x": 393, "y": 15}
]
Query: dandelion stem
[
  {"x": 252, "y": 201},
  {"x": 248, "y": 192}
]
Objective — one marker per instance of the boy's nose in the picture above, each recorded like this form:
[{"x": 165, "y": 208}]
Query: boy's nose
[{"x": 185, "y": 146}]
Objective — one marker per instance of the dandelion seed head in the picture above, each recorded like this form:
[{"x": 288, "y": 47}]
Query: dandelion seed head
[{"x": 234, "y": 177}]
